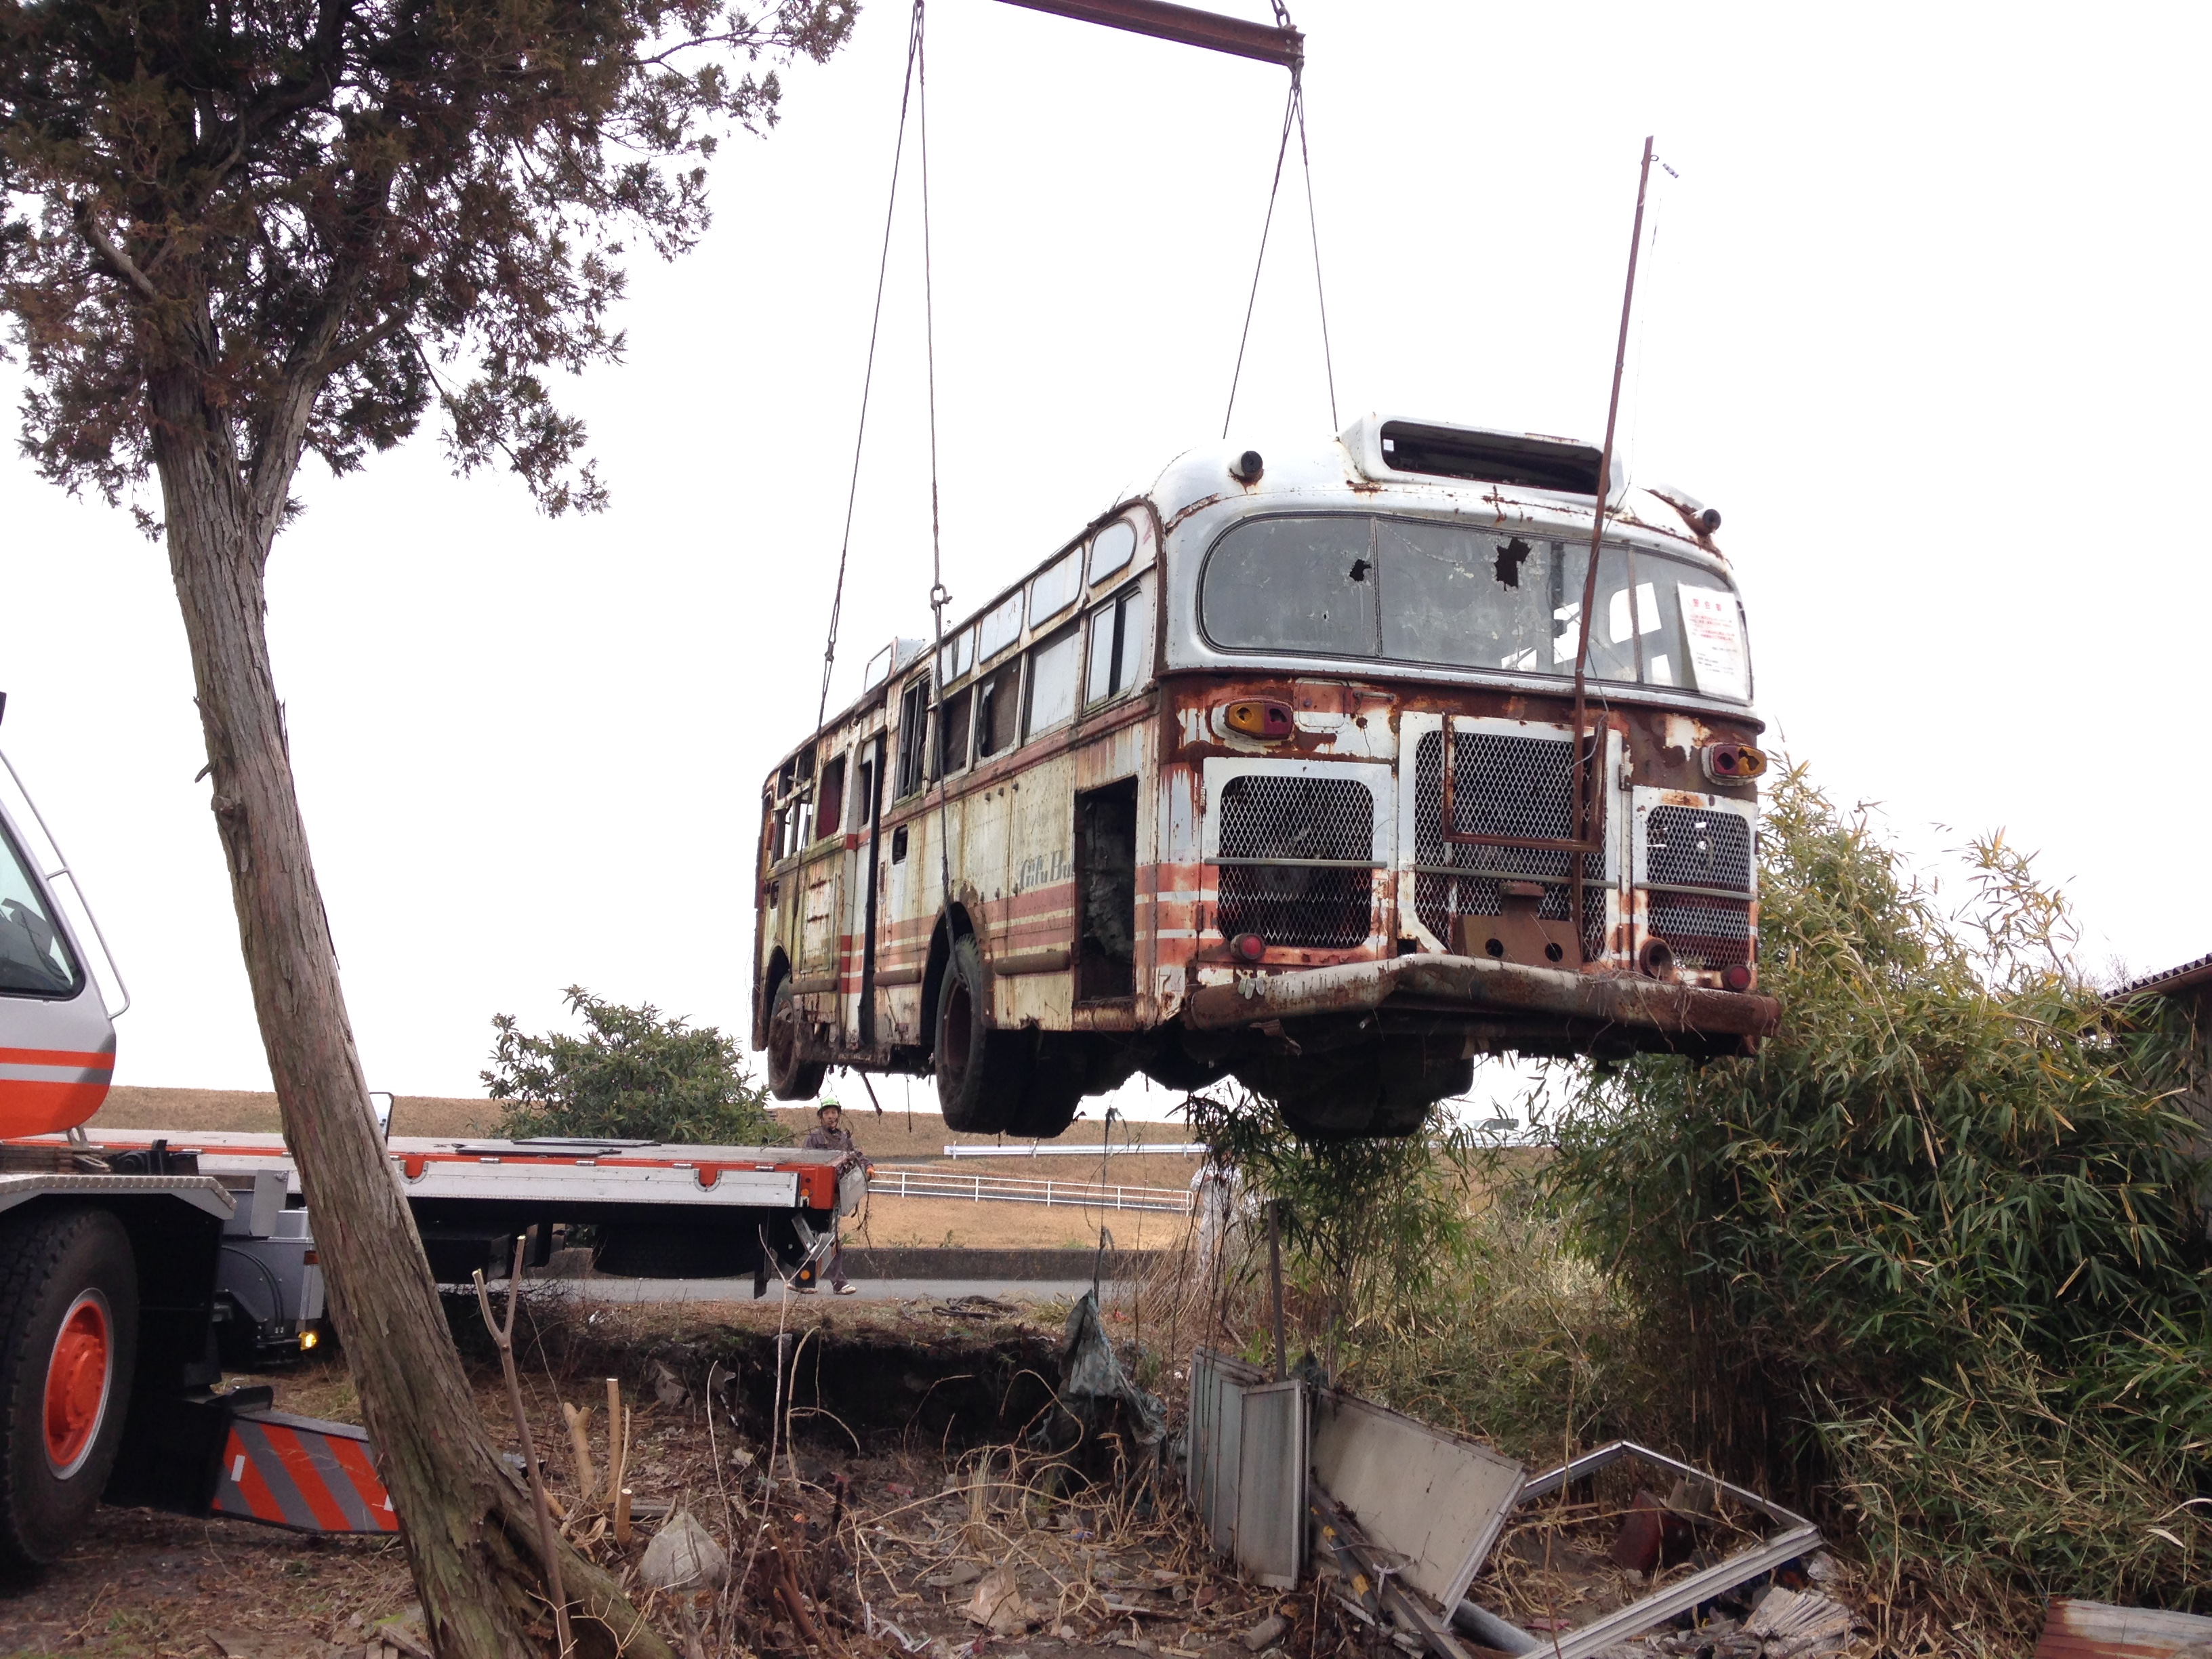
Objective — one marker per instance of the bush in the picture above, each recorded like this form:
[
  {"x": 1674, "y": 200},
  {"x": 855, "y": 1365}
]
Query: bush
[
  {"x": 1936, "y": 1242},
  {"x": 632, "y": 1076},
  {"x": 1372, "y": 1230}
]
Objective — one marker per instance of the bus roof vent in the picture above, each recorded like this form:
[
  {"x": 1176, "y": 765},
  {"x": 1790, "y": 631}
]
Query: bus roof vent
[{"x": 1390, "y": 449}]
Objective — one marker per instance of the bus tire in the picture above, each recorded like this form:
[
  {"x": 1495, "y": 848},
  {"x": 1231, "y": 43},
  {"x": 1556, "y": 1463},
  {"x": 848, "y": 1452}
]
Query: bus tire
[
  {"x": 980, "y": 1070},
  {"x": 68, "y": 1340},
  {"x": 790, "y": 1075},
  {"x": 1370, "y": 1096},
  {"x": 1048, "y": 1105}
]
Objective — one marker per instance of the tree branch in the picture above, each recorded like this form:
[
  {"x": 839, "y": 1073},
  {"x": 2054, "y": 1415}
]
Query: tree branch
[{"x": 118, "y": 260}]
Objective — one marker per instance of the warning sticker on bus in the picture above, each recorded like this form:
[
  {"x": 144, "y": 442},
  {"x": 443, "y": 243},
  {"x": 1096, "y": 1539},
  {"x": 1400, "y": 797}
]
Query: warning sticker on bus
[{"x": 1716, "y": 639}]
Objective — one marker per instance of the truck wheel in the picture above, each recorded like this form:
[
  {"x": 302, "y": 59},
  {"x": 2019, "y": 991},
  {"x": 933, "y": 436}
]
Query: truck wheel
[
  {"x": 789, "y": 1076},
  {"x": 980, "y": 1071},
  {"x": 68, "y": 1337}
]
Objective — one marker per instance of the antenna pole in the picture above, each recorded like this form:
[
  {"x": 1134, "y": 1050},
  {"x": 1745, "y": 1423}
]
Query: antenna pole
[{"x": 1585, "y": 771}]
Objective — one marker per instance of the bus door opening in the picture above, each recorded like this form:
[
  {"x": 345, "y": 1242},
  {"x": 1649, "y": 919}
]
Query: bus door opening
[{"x": 1106, "y": 886}]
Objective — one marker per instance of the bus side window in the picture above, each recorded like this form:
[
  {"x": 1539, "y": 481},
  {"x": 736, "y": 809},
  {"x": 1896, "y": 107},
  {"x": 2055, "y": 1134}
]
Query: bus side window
[
  {"x": 952, "y": 732},
  {"x": 1120, "y": 645},
  {"x": 865, "y": 774},
  {"x": 998, "y": 708},
  {"x": 914, "y": 731},
  {"x": 1053, "y": 669},
  {"x": 1112, "y": 549},
  {"x": 830, "y": 809}
]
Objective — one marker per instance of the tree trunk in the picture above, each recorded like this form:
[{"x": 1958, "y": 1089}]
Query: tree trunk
[{"x": 466, "y": 1523}]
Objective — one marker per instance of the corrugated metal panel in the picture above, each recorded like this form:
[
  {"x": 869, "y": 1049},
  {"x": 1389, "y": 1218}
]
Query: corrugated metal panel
[
  {"x": 1271, "y": 1484},
  {"x": 1245, "y": 1465}
]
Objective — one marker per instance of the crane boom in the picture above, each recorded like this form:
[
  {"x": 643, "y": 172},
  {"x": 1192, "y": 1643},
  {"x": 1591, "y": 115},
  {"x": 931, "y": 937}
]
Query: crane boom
[{"x": 1186, "y": 24}]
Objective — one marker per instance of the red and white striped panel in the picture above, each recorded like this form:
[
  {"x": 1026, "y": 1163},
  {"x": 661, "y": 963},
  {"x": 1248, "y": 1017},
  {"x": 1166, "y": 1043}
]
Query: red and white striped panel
[{"x": 298, "y": 1473}]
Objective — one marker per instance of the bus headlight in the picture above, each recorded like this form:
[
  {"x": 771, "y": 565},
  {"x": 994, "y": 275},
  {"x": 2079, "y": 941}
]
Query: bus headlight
[
  {"x": 1258, "y": 717},
  {"x": 1731, "y": 763},
  {"x": 308, "y": 1338}
]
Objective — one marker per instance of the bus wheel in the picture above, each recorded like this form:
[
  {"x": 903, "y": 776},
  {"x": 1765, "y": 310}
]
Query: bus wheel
[
  {"x": 980, "y": 1073},
  {"x": 789, "y": 1076},
  {"x": 1369, "y": 1095},
  {"x": 1047, "y": 1106},
  {"x": 68, "y": 1337}
]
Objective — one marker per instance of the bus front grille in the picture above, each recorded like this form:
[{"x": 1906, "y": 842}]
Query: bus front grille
[
  {"x": 1508, "y": 786},
  {"x": 1707, "y": 933},
  {"x": 1709, "y": 853},
  {"x": 1684, "y": 847},
  {"x": 1296, "y": 860}
]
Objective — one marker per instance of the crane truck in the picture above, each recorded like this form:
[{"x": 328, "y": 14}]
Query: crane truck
[{"x": 136, "y": 1270}]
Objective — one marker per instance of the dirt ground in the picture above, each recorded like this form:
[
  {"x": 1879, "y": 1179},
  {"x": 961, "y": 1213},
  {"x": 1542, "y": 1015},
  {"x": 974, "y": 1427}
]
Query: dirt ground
[{"x": 893, "y": 1507}]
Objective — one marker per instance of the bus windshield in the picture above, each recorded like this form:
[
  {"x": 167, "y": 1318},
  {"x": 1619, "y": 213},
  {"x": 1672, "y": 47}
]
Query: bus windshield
[{"x": 1449, "y": 595}]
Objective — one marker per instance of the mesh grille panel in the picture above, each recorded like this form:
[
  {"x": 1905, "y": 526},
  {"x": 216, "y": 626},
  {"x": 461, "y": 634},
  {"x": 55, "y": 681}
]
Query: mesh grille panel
[
  {"x": 1273, "y": 816},
  {"x": 1684, "y": 847},
  {"x": 1705, "y": 933},
  {"x": 1296, "y": 904},
  {"x": 1502, "y": 785}
]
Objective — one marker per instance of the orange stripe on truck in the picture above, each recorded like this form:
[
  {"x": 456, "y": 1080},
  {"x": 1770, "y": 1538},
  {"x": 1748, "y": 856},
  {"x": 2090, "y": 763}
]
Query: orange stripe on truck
[{"x": 44, "y": 1109}]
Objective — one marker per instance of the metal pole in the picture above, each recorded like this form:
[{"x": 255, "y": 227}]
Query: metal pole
[
  {"x": 1582, "y": 773},
  {"x": 1275, "y": 1275}
]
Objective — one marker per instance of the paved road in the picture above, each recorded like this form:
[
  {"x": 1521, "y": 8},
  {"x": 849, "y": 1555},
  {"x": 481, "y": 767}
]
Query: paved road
[{"x": 866, "y": 1290}]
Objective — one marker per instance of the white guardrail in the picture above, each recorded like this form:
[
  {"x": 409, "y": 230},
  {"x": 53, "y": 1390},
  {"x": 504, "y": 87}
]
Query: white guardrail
[{"x": 893, "y": 1182}]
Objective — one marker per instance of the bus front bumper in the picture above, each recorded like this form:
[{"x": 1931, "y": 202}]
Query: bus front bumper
[{"x": 1480, "y": 986}]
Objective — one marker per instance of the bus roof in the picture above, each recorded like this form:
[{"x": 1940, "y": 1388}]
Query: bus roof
[{"x": 1418, "y": 465}]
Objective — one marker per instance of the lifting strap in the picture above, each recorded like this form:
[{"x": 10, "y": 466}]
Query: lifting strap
[
  {"x": 1294, "y": 110},
  {"x": 1279, "y": 44},
  {"x": 868, "y": 379}
]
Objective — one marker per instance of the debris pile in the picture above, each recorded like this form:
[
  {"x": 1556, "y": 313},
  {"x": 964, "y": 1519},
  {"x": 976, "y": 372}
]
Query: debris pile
[{"x": 1425, "y": 1536}]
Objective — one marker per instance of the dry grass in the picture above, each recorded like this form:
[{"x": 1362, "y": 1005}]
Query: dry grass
[
  {"x": 248, "y": 1111},
  {"x": 963, "y": 1223}
]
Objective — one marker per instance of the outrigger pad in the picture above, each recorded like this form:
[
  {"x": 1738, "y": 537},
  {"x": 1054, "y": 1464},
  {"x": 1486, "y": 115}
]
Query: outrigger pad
[{"x": 302, "y": 1473}]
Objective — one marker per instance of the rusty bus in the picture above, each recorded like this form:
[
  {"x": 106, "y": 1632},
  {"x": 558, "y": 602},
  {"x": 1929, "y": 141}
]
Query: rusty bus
[{"x": 1270, "y": 772}]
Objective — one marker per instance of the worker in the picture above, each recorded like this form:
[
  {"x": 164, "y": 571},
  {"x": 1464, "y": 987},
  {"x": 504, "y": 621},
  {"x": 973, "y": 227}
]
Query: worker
[{"x": 830, "y": 1134}]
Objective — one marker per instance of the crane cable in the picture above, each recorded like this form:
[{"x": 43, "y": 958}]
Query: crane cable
[
  {"x": 1294, "y": 113},
  {"x": 938, "y": 596},
  {"x": 867, "y": 381}
]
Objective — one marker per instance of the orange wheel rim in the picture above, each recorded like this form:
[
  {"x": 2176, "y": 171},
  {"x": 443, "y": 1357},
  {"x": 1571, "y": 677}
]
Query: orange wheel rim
[{"x": 77, "y": 1377}]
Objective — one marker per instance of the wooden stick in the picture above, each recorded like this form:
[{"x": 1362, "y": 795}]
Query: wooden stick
[
  {"x": 547, "y": 1544},
  {"x": 579, "y": 1448},
  {"x": 617, "y": 1440},
  {"x": 621, "y": 1491}
]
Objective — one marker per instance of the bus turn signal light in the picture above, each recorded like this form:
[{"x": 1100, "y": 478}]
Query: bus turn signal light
[
  {"x": 1257, "y": 718},
  {"x": 1731, "y": 763},
  {"x": 1739, "y": 977},
  {"x": 1248, "y": 947}
]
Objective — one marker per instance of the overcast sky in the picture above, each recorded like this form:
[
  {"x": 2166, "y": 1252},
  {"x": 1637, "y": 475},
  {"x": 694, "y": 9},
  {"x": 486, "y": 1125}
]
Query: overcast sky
[{"x": 1923, "y": 310}]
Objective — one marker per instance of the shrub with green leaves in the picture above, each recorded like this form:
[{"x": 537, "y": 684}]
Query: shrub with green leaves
[
  {"x": 1936, "y": 1242},
  {"x": 1372, "y": 1230},
  {"x": 632, "y": 1075}
]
